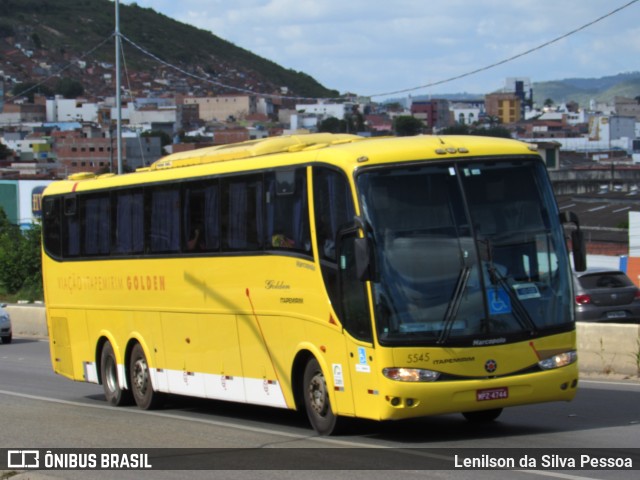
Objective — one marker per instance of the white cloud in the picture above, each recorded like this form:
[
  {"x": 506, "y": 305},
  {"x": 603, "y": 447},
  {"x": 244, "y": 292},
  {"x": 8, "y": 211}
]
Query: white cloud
[{"x": 374, "y": 47}]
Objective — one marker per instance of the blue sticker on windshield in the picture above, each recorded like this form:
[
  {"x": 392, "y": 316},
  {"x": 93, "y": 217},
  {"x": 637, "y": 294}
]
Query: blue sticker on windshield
[{"x": 499, "y": 301}]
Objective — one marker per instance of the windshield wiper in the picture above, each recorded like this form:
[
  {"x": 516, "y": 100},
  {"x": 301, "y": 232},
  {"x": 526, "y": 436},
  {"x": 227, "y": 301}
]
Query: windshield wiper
[
  {"x": 454, "y": 304},
  {"x": 521, "y": 313}
]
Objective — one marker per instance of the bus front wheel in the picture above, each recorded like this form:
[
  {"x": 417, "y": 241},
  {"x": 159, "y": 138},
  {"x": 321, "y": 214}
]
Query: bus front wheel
[
  {"x": 140, "y": 378},
  {"x": 483, "y": 416},
  {"x": 115, "y": 395},
  {"x": 316, "y": 400}
]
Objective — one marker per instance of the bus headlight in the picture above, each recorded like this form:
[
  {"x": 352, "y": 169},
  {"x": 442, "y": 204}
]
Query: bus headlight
[
  {"x": 559, "y": 360},
  {"x": 410, "y": 374}
]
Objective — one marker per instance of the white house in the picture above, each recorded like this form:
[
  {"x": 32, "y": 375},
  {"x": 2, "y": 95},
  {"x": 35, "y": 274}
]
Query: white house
[
  {"x": 71, "y": 110},
  {"x": 467, "y": 113},
  {"x": 326, "y": 110}
]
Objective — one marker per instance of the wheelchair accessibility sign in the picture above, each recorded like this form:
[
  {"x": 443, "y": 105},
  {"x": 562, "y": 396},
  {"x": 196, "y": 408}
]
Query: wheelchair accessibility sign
[{"x": 499, "y": 301}]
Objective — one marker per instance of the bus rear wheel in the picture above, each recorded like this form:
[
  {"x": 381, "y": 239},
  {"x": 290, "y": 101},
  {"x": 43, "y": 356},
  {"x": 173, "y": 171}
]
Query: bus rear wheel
[
  {"x": 140, "y": 378},
  {"x": 483, "y": 416},
  {"x": 115, "y": 395},
  {"x": 316, "y": 400}
]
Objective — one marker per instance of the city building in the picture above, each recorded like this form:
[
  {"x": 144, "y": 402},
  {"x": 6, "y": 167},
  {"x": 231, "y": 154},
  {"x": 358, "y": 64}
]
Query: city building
[
  {"x": 505, "y": 107},
  {"x": 60, "y": 109},
  {"x": 224, "y": 107},
  {"x": 435, "y": 113},
  {"x": 467, "y": 112}
]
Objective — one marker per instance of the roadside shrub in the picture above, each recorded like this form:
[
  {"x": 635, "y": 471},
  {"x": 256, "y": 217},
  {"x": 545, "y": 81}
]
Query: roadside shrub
[{"x": 20, "y": 261}]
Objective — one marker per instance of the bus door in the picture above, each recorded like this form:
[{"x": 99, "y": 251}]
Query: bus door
[
  {"x": 333, "y": 209},
  {"x": 354, "y": 313}
]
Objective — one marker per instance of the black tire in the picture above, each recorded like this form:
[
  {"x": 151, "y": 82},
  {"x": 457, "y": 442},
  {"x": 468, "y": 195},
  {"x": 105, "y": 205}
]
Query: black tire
[
  {"x": 140, "y": 381},
  {"x": 316, "y": 400},
  {"x": 7, "y": 339},
  {"x": 483, "y": 416},
  {"x": 115, "y": 395}
]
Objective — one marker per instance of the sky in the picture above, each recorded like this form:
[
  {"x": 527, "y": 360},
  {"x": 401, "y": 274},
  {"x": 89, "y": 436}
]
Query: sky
[{"x": 395, "y": 48}]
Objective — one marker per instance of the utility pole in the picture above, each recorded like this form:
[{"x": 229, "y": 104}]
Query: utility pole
[{"x": 118, "y": 101}]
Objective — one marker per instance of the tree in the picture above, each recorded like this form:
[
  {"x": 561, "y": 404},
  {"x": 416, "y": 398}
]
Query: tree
[
  {"x": 330, "y": 125},
  {"x": 495, "y": 131},
  {"x": 69, "y": 88},
  {"x": 29, "y": 89},
  {"x": 36, "y": 41},
  {"x": 32, "y": 262},
  {"x": 458, "y": 129},
  {"x": 406, "y": 126},
  {"x": 20, "y": 265},
  {"x": 11, "y": 276}
]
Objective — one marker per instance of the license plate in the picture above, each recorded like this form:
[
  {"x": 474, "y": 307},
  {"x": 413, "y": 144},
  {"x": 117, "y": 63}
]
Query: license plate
[
  {"x": 492, "y": 394},
  {"x": 616, "y": 314}
]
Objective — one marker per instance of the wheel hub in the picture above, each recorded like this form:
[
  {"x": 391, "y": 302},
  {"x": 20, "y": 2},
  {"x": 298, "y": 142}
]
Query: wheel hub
[
  {"x": 318, "y": 395},
  {"x": 140, "y": 376}
]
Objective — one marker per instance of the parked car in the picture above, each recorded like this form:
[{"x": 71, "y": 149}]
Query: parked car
[
  {"x": 5, "y": 325},
  {"x": 606, "y": 296}
]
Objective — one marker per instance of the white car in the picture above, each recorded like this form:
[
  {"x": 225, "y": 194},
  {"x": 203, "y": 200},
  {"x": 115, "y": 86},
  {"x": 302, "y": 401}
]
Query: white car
[{"x": 5, "y": 325}]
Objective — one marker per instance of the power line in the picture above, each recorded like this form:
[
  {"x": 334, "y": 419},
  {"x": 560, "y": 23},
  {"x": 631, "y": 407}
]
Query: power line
[
  {"x": 209, "y": 80},
  {"x": 396, "y": 92},
  {"x": 406, "y": 90},
  {"x": 66, "y": 67},
  {"x": 506, "y": 60}
]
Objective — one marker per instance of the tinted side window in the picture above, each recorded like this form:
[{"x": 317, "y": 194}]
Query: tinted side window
[
  {"x": 51, "y": 226},
  {"x": 164, "y": 220},
  {"x": 287, "y": 211},
  {"x": 70, "y": 227},
  {"x": 95, "y": 224},
  {"x": 201, "y": 216},
  {"x": 333, "y": 208},
  {"x": 242, "y": 213},
  {"x": 128, "y": 222}
]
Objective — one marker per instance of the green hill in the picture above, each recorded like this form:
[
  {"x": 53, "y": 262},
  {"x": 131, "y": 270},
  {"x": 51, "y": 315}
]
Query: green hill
[
  {"x": 62, "y": 30},
  {"x": 583, "y": 90}
]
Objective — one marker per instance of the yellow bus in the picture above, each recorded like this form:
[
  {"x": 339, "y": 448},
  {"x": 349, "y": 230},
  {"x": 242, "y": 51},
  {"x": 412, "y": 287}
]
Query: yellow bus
[{"x": 384, "y": 278}]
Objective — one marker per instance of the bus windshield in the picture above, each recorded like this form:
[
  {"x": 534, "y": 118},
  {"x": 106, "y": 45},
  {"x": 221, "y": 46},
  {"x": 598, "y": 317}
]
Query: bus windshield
[{"x": 465, "y": 253}]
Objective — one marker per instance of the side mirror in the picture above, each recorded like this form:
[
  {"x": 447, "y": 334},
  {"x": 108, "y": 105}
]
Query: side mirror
[
  {"x": 364, "y": 259},
  {"x": 359, "y": 249},
  {"x": 579, "y": 249}
]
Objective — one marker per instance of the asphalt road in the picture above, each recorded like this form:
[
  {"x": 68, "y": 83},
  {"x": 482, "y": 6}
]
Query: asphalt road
[{"x": 40, "y": 410}]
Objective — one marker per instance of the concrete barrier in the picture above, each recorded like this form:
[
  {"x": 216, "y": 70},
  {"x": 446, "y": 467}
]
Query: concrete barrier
[
  {"x": 603, "y": 349},
  {"x": 609, "y": 348},
  {"x": 28, "y": 320}
]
